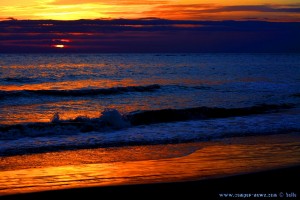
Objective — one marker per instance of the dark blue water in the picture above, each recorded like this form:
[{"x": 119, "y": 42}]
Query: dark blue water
[{"x": 54, "y": 101}]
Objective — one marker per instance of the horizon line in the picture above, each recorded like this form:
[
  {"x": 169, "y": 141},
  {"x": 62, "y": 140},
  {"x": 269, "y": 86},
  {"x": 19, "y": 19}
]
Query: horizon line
[{"x": 10, "y": 19}]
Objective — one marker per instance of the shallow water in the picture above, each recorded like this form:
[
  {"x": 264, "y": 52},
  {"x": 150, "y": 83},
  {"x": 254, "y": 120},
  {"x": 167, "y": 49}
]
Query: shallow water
[{"x": 147, "y": 164}]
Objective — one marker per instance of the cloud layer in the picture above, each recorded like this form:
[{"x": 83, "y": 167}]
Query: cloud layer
[
  {"x": 148, "y": 36},
  {"x": 271, "y": 10}
]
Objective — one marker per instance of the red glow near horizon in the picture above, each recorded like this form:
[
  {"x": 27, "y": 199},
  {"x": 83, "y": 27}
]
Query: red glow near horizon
[
  {"x": 65, "y": 40},
  {"x": 61, "y": 40}
]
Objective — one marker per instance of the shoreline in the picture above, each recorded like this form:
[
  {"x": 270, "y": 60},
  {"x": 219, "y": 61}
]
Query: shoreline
[
  {"x": 256, "y": 164},
  {"x": 280, "y": 181}
]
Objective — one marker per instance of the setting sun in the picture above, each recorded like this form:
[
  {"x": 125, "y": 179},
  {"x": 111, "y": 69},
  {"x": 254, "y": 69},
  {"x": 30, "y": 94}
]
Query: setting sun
[
  {"x": 59, "y": 46},
  {"x": 183, "y": 97}
]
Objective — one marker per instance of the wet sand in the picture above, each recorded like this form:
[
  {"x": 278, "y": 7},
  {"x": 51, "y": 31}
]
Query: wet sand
[
  {"x": 280, "y": 182},
  {"x": 260, "y": 164}
]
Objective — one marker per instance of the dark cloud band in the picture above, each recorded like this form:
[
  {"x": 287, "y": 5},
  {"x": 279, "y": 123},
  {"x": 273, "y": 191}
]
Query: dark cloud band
[{"x": 147, "y": 36}]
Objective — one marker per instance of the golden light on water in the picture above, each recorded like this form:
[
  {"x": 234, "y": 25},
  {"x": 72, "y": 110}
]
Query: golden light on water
[{"x": 73, "y": 109}]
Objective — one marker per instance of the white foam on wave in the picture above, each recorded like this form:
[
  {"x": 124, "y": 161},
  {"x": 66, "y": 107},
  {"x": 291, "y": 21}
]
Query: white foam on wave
[
  {"x": 196, "y": 130},
  {"x": 113, "y": 118}
]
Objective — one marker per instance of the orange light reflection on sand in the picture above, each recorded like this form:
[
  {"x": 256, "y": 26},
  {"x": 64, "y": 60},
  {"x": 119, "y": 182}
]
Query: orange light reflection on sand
[{"x": 215, "y": 159}]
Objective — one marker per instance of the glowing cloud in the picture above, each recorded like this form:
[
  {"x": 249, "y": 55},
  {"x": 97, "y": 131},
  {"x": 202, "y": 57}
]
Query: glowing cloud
[{"x": 273, "y": 10}]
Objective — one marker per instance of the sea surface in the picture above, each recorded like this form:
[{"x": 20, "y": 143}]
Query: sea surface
[
  {"x": 56, "y": 102},
  {"x": 82, "y": 120}
]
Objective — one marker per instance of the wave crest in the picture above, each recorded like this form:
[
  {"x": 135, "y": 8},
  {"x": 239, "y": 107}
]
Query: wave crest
[
  {"x": 112, "y": 119},
  {"x": 81, "y": 92}
]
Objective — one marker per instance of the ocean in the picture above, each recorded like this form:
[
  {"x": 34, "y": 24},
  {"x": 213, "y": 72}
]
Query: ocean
[{"x": 58, "y": 103}]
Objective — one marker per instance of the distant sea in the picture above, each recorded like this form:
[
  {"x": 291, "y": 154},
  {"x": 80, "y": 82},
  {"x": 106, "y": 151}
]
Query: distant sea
[{"x": 56, "y": 102}]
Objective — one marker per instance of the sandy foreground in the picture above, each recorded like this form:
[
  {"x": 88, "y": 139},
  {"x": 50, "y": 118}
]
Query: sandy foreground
[{"x": 236, "y": 167}]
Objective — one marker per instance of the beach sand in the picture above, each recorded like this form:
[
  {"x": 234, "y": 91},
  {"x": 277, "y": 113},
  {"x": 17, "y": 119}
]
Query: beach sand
[
  {"x": 279, "y": 182},
  {"x": 260, "y": 165}
]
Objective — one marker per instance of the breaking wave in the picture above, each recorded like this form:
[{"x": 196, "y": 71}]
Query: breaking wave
[
  {"x": 111, "y": 119},
  {"x": 113, "y": 129}
]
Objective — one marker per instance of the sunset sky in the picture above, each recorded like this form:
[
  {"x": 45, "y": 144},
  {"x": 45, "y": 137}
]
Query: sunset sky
[
  {"x": 149, "y": 26},
  {"x": 268, "y": 10}
]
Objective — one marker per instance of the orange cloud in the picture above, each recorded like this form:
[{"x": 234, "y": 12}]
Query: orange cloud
[
  {"x": 110, "y": 2},
  {"x": 275, "y": 10},
  {"x": 218, "y": 12}
]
